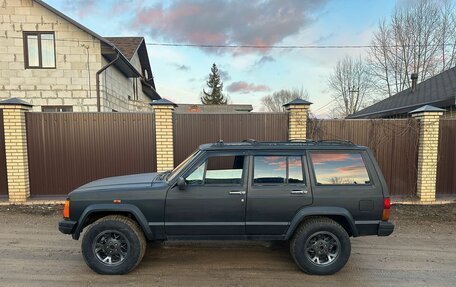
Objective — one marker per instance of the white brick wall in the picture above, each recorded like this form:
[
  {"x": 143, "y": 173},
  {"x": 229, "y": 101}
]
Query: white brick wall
[{"x": 78, "y": 58}]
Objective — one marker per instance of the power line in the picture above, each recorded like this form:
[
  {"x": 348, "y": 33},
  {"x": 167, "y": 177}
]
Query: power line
[
  {"x": 296, "y": 46},
  {"x": 234, "y": 46}
]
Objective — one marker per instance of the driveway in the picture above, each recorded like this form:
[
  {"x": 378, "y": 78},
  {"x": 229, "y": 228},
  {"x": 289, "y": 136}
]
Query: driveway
[{"x": 421, "y": 252}]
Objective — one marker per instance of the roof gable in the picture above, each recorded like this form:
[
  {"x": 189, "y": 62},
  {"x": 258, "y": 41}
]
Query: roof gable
[{"x": 127, "y": 45}]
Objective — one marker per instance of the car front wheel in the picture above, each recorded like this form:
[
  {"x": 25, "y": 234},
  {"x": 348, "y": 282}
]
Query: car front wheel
[
  {"x": 320, "y": 246},
  {"x": 113, "y": 245}
]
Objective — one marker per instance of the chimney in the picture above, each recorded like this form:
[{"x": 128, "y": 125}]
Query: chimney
[{"x": 414, "y": 78}]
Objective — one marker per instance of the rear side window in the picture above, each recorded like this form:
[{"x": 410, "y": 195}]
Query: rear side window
[
  {"x": 339, "y": 168},
  {"x": 277, "y": 170}
]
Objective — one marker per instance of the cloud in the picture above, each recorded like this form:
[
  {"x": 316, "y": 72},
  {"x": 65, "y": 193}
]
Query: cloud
[
  {"x": 80, "y": 7},
  {"x": 262, "y": 61},
  {"x": 224, "y": 75},
  {"x": 181, "y": 67},
  {"x": 324, "y": 38},
  {"x": 246, "y": 88},
  {"x": 256, "y": 22}
]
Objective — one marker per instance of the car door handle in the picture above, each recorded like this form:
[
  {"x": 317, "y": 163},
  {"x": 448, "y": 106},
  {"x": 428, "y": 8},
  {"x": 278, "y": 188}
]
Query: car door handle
[
  {"x": 298, "y": 191},
  {"x": 238, "y": 192}
]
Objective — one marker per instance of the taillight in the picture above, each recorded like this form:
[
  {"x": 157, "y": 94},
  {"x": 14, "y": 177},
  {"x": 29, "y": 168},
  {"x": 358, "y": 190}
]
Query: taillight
[
  {"x": 66, "y": 209},
  {"x": 386, "y": 208}
]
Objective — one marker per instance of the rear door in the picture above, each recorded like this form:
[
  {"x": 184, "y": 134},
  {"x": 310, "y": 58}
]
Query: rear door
[{"x": 278, "y": 188}]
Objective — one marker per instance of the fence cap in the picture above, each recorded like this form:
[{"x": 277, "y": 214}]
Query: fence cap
[
  {"x": 427, "y": 108},
  {"x": 298, "y": 101},
  {"x": 15, "y": 102},
  {"x": 163, "y": 102}
]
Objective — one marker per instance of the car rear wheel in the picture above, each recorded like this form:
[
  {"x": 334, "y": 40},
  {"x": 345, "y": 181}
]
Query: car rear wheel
[
  {"x": 113, "y": 245},
  {"x": 320, "y": 246}
]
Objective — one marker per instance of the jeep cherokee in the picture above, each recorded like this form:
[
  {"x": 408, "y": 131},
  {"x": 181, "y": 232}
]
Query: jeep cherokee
[{"x": 313, "y": 194}]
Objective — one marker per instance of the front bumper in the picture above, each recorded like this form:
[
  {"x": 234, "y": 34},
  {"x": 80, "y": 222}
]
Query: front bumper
[
  {"x": 385, "y": 228},
  {"x": 67, "y": 226}
]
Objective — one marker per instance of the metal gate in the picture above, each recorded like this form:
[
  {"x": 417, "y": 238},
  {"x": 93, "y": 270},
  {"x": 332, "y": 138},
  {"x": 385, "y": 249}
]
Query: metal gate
[
  {"x": 191, "y": 130},
  {"x": 67, "y": 150}
]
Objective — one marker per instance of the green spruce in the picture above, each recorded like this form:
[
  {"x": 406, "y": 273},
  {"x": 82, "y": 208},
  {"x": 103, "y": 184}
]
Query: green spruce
[{"x": 215, "y": 84}]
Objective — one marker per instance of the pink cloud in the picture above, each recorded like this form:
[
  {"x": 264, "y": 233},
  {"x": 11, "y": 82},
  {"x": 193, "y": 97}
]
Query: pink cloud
[
  {"x": 319, "y": 158},
  {"x": 253, "y": 22},
  {"x": 246, "y": 88}
]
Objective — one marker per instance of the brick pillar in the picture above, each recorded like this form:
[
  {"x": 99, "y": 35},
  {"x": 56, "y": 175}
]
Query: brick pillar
[
  {"x": 297, "y": 120},
  {"x": 14, "y": 110},
  {"x": 164, "y": 134},
  {"x": 429, "y": 118}
]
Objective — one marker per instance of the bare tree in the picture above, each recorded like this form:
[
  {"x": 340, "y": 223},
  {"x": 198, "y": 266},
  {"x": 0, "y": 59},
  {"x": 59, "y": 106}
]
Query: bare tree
[
  {"x": 275, "y": 102},
  {"x": 418, "y": 39},
  {"x": 351, "y": 85}
]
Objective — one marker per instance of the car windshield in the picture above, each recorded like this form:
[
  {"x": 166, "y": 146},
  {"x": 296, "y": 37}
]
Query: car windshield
[{"x": 178, "y": 169}]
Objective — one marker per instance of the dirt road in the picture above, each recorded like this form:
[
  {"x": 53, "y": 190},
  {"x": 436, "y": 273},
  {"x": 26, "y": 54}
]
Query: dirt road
[{"x": 421, "y": 252}]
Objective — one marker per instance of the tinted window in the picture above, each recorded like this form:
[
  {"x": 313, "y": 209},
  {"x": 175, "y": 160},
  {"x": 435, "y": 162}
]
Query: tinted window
[
  {"x": 273, "y": 170},
  {"x": 270, "y": 169},
  {"x": 224, "y": 170},
  {"x": 339, "y": 168},
  {"x": 295, "y": 169}
]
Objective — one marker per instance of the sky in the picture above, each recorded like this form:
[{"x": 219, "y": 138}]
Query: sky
[{"x": 180, "y": 73}]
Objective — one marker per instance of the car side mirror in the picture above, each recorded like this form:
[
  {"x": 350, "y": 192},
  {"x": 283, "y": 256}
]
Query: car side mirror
[{"x": 181, "y": 183}]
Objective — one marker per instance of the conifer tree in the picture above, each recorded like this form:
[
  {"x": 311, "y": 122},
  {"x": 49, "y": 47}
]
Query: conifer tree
[{"x": 215, "y": 84}]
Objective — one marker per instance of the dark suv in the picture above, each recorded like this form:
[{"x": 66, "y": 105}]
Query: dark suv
[{"x": 314, "y": 194}]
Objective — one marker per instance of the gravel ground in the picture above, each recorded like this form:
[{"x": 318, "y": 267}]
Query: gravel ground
[{"x": 421, "y": 252}]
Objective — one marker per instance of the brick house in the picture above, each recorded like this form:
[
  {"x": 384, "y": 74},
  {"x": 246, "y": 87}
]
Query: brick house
[{"x": 52, "y": 62}]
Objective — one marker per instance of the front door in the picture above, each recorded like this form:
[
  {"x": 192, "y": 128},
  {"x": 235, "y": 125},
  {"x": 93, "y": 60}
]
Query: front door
[
  {"x": 213, "y": 202},
  {"x": 278, "y": 189}
]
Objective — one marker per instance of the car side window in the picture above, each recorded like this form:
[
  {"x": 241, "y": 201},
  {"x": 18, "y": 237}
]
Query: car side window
[
  {"x": 196, "y": 177},
  {"x": 226, "y": 170},
  {"x": 277, "y": 170},
  {"x": 339, "y": 168}
]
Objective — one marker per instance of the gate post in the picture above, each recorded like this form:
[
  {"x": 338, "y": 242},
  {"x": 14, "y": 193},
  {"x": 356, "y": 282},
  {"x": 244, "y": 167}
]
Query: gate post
[
  {"x": 429, "y": 118},
  {"x": 164, "y": 136},
  {"x": 297, "y": 118},
  {"x": 14, "y": 110}
]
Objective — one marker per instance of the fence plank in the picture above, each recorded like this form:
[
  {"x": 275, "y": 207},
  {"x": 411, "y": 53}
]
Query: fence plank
[
  {"x": 67, "y": 150},
  {"x": 394, "y": 143},
  {"x": 446, "y": 166},
  {"x": 3, "y": 174},
  {"x": 191, "y": 130}
]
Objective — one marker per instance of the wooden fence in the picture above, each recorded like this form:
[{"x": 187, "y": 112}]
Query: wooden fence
[
  {"x": 191, "y": 130},
  {"x": 67, "y": 150},
  {"x": 393, "y": 142},
  {"x": 3, "y": 176},
  {"x": 446, "y": 167}
]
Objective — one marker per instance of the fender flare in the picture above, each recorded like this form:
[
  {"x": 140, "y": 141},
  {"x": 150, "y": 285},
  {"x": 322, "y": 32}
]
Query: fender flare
[
  {"x": 320, "y": 211},
  {"x": 95, "y": 208}
]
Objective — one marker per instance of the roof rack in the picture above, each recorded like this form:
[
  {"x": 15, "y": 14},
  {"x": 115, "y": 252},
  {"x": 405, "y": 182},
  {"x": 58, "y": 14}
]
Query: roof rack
[
  {"x": 335, "y": 142},
  {"x": 289, "y": 142}
]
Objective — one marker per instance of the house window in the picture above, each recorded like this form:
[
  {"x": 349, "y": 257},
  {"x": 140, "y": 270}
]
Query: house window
[
  {"x": 53, "y": 109},
  {"x": 39, "y": 50}
]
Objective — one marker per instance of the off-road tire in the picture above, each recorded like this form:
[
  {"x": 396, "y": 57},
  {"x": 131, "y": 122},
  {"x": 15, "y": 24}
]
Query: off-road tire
[
  {"x": 133, "y": 233},
  {"x": 310, "y": 227}
]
